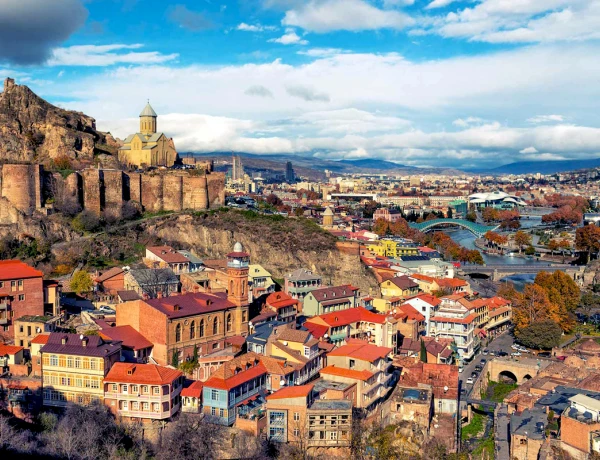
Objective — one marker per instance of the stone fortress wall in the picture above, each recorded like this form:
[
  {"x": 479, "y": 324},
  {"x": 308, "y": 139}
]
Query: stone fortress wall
[{"x": 104, "y": 191}]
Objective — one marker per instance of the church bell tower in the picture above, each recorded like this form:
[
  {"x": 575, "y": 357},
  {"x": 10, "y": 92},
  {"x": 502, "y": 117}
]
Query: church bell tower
[
  {"x": 148, "y": 120},
  {"x": 237, "y": 276}
]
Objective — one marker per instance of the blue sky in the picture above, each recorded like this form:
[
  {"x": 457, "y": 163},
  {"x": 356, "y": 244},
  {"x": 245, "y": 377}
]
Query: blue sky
[{"x": 459, "y": 83}]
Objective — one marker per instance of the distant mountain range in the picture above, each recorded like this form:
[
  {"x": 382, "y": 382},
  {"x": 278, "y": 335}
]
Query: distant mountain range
[
  {"x": 542, "y": 167},
  {"x": 373, "y": 163}
]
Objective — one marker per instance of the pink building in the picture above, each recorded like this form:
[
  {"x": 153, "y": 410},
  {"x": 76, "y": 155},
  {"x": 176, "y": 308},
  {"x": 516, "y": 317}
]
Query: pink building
[{"x": 391, "y": 215}]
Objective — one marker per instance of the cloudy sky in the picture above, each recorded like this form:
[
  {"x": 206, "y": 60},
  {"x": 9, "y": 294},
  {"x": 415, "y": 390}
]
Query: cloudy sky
[{"x": 463, "y": 83}]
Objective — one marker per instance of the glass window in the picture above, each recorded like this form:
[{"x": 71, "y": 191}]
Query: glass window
[
  {"x": 213, "y": 411},
  {"x": 296, "y": 416},
  {"x": 214, "y": 395},
  {"x": 54, "y": 360},
  {"x": 77, "y": 363},
  {"x": 221, "y": 413},
  {"x": 70, "y": 361},
  {"x": 178, "y": 333}
]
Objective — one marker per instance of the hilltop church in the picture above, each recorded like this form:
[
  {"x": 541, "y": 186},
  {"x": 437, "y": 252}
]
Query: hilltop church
[{"x": 148, "y": 147}]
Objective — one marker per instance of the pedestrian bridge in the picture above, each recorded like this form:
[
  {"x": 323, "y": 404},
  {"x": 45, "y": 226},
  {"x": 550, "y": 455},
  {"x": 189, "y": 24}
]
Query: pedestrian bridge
[
  {"x": 477, "y": 229},
  {"x": 498, "y": 272}
]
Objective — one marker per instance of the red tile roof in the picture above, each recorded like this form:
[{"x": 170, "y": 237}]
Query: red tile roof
[
  {"x": 361, "y": 350},
  {"x": 247, "y": 366},
  {"x": 128, "y": 335},
  {"x": 292, "y": 392},
  {"x": 351, "y": 315},
  {"x": 279, "y": 300},
  {"x": 9, "y": 350},
  {"x": 108, "y": 274},
  {"x": 190, "y": 304},
  {"x": 41, "y": 338},
  {"x": 168, "y": 254},
  {"x": 451, "y": 283},
  {"x": 194, "y": 390},
  {"x": 348, "y": 373},
  {"x": 151, "y": 374},
  {"x": 430, "y": 299},
  {"x": 418, "y": 276},
  {"x": 15, "y": 269},
  {"x": 410, "y": 312},
  {"x": 317, "y": 330}
]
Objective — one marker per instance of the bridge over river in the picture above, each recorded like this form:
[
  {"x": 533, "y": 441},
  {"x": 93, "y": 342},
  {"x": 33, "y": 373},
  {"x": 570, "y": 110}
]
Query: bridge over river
[
  {"x": 497, "y": 272},
  {"x": 477, "y": 229}
]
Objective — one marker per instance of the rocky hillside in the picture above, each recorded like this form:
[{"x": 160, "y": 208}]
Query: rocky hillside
[
  {"x": 280, "y": 245},
  {"x": 33, "y": 130}
]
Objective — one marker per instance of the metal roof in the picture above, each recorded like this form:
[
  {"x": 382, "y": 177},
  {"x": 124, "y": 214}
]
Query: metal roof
[{"x": 148, "y": 111}]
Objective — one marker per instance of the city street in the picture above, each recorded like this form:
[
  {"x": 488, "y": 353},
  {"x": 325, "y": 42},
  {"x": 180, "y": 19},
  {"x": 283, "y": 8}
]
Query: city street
[{"x": 501, "y": 343}]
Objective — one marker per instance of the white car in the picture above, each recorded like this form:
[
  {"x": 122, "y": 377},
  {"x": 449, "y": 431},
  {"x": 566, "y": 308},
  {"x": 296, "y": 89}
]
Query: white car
[
  {"x": 470, "y": 381},
  {"x": 516, "y": 353},
  {"x": 515, "y": 346},
  {"x": 461, "y": 369},
  {"x": 106, "y": 309},
  {"x": 523, "y": 350}
]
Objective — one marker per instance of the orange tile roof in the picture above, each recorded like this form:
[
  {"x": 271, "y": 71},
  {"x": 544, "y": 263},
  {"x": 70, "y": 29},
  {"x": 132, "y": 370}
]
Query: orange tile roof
[
  {"x": 418, "y": 276},
  {"x": 410, "y": 312},
  {"x": 292, "y": 392},
  {"x": 151, "y": 374},
  {"x": 451, "y": 282},
  {"x": 279, "y": 300},
  {"x": 317, "y": 330},
  {"x": 430, "y": 299},
  {"x": 15, "y": 269},
  {"x": 41, "y": 339},
  {"x": 467, "y": 320},
  {"x": 363, "y": 351},
  {"x": 348, "y": 373},
  {"x": 9, "y": 350},
  {"x": 194, "y": 390},
  {"x": 247, "y": 366},
  {"x": 351, "y": 315},
  {"x": 168, "y": 254}
]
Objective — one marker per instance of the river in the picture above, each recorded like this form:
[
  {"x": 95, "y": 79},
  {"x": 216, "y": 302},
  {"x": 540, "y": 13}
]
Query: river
[{"x": 467, "y": 239}]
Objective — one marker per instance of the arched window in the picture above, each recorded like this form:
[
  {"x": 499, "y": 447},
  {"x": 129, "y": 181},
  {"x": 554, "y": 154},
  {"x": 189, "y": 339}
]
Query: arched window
[
  {"x": 178, "y": 333},
  {"x": 243, "y": 287},
  {"x": 193, "y": 330},
  {"x": 229, "y": 324},
  {"x": 201, "y": 328},
  {"x": 216, "y": 326},
  {"x": 231, "y": 287}
]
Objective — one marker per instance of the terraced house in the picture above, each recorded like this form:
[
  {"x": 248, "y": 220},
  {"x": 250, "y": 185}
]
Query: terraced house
[
  {"x": 143, "y": 392},
  {"x": 329, "y": 299},
  {"x": 74, "y": 366}
]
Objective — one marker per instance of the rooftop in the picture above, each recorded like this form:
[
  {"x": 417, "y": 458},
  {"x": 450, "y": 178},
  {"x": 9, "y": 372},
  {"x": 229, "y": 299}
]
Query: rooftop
[
  {"x": 530, "y": 423},
  {"x": 363, "y": 351},
  {"x": 190, "y": 304},
  {"x": 302, "y": 275},
  {"x": 168, "y": 254},
  {"x": 331, "y": 404},
  {"x": 334, "y": 292},
  {"x": 128, "y": 335},
  {"x": 298, "y": 391},
  {"x": 15, "y": 269},
  {"x": 75, "y": 344},
  {"x": 151, "y": 374}
]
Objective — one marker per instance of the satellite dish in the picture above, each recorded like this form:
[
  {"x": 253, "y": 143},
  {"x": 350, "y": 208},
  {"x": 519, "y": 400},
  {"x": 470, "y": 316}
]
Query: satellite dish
[
  {"x": 325, "y": 335},
  {"x": 445, "y": 388},
  {"x": 80, "y": 336},
  {"x": 249, "y": 323},
  {"x": 282, "y": 382},
  {"x": 285, "y": 343}
]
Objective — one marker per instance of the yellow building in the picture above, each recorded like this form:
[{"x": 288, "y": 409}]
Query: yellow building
[
  {"x": 391, "y": 248},
  {"x": 74, "y": 366},
  {"x": 148, "y": 147},
  {"x": 400, "y": 286}
]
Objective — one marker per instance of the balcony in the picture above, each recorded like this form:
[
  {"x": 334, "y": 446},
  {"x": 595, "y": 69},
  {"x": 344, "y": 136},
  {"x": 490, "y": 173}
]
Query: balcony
[
  {"x": 140, "y": 397},
  {"x": 4, "y": 306},
  {"x": 3, "y": 321}
]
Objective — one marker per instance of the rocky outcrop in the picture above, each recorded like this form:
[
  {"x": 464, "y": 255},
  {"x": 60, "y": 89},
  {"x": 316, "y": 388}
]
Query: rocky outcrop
[
  {"x": 33, "y": 130},
  {"x": 271, "y": 252}
]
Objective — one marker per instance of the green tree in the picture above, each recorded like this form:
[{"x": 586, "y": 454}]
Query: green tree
[
  {"x": 530, "y": 250},
  {"x": 544, "y": 334},
  {"x": 423, "y": 352},
  {"x": 589, "y": 301},
  {"x": 175, "y": 358},
  {"x": 471, "y": 216},
  {"x": 81, "y": 282}
]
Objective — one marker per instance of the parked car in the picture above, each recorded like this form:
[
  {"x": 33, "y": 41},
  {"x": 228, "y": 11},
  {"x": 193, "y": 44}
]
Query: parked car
[
  {"x": 106, "y": 309},
  {"x": 474, "y": 375},
  {"x": 545, "y": 354},
  {"x": 561, "y": 358},
  {"x": 516, "y": 353},
  {"x": 478, "y": 368},
  {"x": 514, "y": 346},
  {"x": 485, "y": 351},
  {"x": 502, "y": 353},
  {"x": 470, "y": 381},
  {"x": 460, "y": 369},
  {"x": 483, "y": 361},
  {"x": 463, "y": 391}
]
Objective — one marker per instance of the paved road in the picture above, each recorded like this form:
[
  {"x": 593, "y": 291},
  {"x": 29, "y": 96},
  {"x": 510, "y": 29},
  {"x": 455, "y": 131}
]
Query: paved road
[
  {"x": 501, "y": 343},
  {"x": 501, "y": 434}
]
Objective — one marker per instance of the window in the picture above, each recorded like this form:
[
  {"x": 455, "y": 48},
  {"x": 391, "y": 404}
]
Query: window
[
  {"x": 352, "y": 363},
  {"x": 13, "y": 285},
  {"x": 296, "y": 432},
  {"x": 201, "y": 329},
  {"x": 229, "y": 323},
  {"x": 20, "y": 285},
  {"x": 178, "y": 333},
  {"x": 214, "y": 395},
  {"x": 221, "y": 413},
  {"x": 296, "y": 416},
  {"x": 125, "y": 405},
  {"x": 77, "y": 363},
  {"x": 333, "y": 435},
  {"x": 156, "y": 390},
  {"x": 114, "y": 387},
  {"x": 215, "y": 345},
  {"x": 21, "y": 297},
  {"x": 69, "y": 361},
  {"x": 213, "y": 411},
  {"x": 146, "y": 405},
  {"x": 216, "y": 326},
  {"x": 155, "y": 407},
  {"x": 134, "y": 388},
  {"x": 244, "y": 316},
  {"x": 135, "y": 405},
  {"x": 93, "y": 364},
  {"x": 145, "y": 389},
  {"x": 54, "y": 360},
  {"x": 124, "y": 389},
  {"x": 193, "y": 330}
]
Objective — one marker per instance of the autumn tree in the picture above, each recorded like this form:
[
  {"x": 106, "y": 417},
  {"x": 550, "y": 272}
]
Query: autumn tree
[
  {"x": 587, "y": 239},
  {"x": 81, "y": 282},
  {"x": 530, "y": 306},
  {"x": 522, "y": 239},
  {"x": 561, "y": 289}
]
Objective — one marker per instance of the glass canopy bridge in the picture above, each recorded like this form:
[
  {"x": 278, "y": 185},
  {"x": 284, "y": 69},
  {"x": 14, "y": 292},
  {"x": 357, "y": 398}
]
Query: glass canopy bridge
[{"x": 476, "y": 229}]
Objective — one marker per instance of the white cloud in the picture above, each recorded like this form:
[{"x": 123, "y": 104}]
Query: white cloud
[
  {"x": 322, "y": 52},
  {"x": 106, "y": 55},
  {"x": 439, "y": 4},
  {"x": 523, "y": 21},
  {"x": 546, "y": 119},
  {"x": 289, "y": 38},
  {"x": 355, "y": 15},
  {"x": 421, "y": 101},
  {"x": 258, "y": 90},
  {"x": 528, "y": 150},
  {"x": 254, "y": 27},
  {"x": 465, "y": 122}
]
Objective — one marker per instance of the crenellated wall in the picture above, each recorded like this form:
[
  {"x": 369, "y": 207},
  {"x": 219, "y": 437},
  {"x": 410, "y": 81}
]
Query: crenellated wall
[{"x": 105, "y": 191}]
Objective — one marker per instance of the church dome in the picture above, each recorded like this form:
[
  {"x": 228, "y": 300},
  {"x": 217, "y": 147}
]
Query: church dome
[
  {"x": 238, "y": 247},
  {"x": 148, "y": 111}
]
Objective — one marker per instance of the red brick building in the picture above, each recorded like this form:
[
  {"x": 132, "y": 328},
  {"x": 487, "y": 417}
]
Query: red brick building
[
  {"x": 21, "y": 293},
  {"x": 111, "y": 281}
]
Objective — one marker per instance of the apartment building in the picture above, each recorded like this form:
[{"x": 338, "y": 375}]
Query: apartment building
[
  {"x": 427, "y": 305},
  {"x": 283, "y": 305},
  {"x": 232, "y": 384},
  {"x": 580, "y": 423},
  {"x": 167, "y": 257},
  {"x": 455, "y": 320},
  {"x": 260, "y": 281},
  {"x": 393, "y": 248},
  {"x": 398, "y": 287},
  {"x": 366, "y": 365},
  {"x": 21, "y": 293},
  {"x": 28, "y": 327},
  {"x": 300, "y": 282},
  {"x": 330, "y": 299},
  {"x": 294, "y": 415},
  {"x": 143, "y": 392},
  {"x": 74, "y": 367}
]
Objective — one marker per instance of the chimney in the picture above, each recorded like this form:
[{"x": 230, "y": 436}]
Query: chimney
[
  {"x": 8, "y": 83},
  {"x": 145, "y": 296},
  {"x": 84, "y": 342},
  {"x": 64, "y": 339}
]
